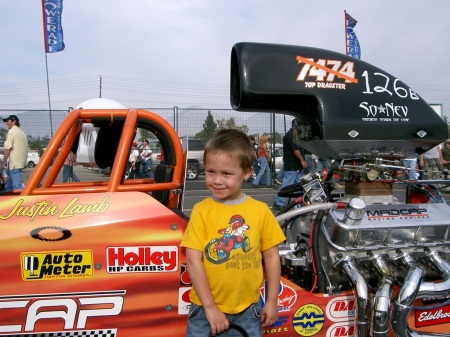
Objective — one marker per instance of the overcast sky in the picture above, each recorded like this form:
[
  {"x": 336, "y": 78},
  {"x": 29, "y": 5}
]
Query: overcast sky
[{"x": 165, "y": 53}]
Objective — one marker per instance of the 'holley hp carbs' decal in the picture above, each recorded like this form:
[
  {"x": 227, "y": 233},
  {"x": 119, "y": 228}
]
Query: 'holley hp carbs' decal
[
  {"x": 142, "y": 259},
  {"x": 56, "y": 265}
]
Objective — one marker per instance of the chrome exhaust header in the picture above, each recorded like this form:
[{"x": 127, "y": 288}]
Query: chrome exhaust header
[
  {"x": 413, "y": 288},
  {"x": 382, "y": 304},
  {"x": 363, "y": 313}
]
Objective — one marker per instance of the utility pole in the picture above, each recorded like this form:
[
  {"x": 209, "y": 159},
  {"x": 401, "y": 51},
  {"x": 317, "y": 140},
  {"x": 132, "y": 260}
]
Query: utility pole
[{"x": 100, "y": 95}]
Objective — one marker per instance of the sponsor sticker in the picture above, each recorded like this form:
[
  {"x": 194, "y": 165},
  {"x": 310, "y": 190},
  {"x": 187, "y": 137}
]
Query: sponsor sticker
[
  {"x": 185, "y": 279},
  {"x": 79, "y": 315},
  {"x": 141, "y": 259},
  {"x": 287, "y": 296},
  {"x": 341, "y": 329},
  {"x": 308, "y": 320},
  {"x": 432, "y": 317},
  {"x": 184, "y": 303},
  {"x": 341, "y": 308},
  {"x": 38, "y": 266},
  {"x": 325, "y": 74}
]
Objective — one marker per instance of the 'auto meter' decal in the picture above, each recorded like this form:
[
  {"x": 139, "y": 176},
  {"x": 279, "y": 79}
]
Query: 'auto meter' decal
[{"x": 56, "y": 265}]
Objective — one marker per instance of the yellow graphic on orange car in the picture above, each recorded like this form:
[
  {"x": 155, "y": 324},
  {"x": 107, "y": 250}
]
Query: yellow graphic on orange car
[{"x": 56, "y": 265}]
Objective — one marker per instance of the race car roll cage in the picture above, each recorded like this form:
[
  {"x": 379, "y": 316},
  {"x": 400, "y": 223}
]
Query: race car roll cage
[{"x": 42, "y": 181}]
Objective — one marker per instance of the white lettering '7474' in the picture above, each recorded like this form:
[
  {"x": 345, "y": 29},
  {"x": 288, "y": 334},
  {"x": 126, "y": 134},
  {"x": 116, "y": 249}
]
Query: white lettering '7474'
[{"x": 325, "y": 70}]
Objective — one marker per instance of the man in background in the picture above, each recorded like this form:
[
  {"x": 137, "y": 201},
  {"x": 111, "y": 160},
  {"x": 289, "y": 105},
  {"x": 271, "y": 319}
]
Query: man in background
[
  {"x": 294, "y": 163},
  {"x": 16, "y": 152},
  {"x": 147, "y": 162},
  {"x": 431, "y": 163}
]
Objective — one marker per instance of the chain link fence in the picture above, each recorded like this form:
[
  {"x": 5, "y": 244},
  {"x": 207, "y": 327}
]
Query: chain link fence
[{"x": 40, "y": 125}]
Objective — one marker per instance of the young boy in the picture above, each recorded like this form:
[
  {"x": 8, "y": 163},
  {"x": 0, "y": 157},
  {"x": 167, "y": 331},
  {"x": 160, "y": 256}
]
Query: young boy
[{"x": 226, "y": 239}]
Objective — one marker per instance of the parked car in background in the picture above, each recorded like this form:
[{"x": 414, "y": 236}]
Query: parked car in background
[
  {"x": 32, "y": 158},
  {"x": 195, "y": 165},
  {"x": 278, "y": 154}
]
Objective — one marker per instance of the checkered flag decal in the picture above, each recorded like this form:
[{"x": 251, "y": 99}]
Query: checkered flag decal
[{"x": 85, "y": 333}]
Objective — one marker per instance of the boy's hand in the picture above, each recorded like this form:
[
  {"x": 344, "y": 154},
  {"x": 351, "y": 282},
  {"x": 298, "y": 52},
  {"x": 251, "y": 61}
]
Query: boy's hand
[
  {"x": 217, "y": 319},
  {"x": 269, "y": 314}
]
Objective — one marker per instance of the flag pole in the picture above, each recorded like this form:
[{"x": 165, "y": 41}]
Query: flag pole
[
  {"x": 46, "y": 68},
  {"x": 345, "y": 30},
  {"x": 53, "y": 38},
  {"x": 49, "y": 102}
]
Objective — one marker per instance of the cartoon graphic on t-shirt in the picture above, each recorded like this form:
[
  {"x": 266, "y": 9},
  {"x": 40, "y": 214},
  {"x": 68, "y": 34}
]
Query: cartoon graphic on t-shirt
[{"x": 218, "y": 250}]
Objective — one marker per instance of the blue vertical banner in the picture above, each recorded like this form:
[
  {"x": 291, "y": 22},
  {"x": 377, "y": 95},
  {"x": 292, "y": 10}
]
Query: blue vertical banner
[
  {"x": 351, "y": 41},
  {"x": 53, "y": 32}
]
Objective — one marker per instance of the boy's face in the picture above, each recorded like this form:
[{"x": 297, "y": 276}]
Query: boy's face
[{"x": 224, "y": 175}]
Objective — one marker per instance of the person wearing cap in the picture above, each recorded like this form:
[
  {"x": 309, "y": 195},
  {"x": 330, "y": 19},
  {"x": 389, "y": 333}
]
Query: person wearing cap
[
  {"x": 135, "y": 162},
  {"x": 146, "y": 156},
  {"x": 15, "y": 155}
]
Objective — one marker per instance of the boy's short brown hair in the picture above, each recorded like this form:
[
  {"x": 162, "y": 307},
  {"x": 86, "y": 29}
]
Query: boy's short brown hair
[{"x": 232, "y": 141}]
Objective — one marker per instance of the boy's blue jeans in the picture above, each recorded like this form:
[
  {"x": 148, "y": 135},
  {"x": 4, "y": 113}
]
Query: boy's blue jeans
[{"x": 249, "y": 319}]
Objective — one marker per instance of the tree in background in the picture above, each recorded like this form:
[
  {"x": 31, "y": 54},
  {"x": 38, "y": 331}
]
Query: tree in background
[
  {"x": 37, "y": 143},
  {"x": 230, "y": 124},
  {"x": 146, "y": 134},
  {"x": 3, "y": 133},
  {"x": 278, "y": 137},
  {"x": 209, "y": 127}
]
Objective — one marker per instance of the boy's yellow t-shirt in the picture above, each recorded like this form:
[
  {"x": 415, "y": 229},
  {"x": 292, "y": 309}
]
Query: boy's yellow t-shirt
[{"x": 232, "y": 237}]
